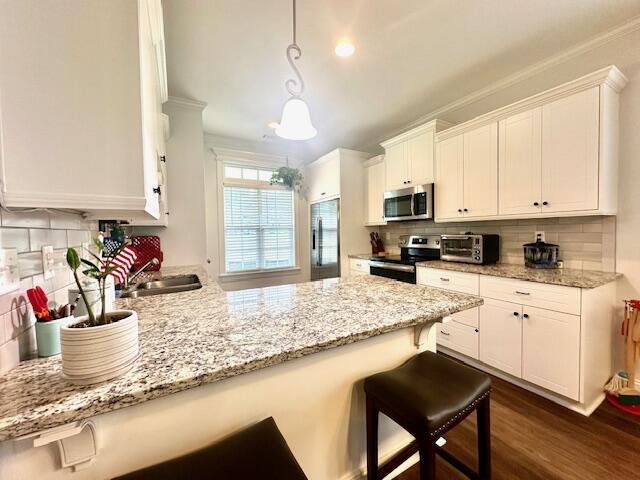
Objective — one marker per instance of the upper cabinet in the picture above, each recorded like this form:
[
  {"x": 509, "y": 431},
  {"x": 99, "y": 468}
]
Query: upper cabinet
[
  {"x": 81, "y": 106},
  {"x": 375, "y": 188},
  {"x": 324, "y": 178},
  {"x": 466, "y": 183},
  {"x": 557, "y": 155},
  {"x": 409, "y": 157}
]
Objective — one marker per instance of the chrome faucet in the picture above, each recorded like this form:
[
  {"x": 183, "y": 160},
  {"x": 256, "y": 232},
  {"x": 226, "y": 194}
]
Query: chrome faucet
[{"x": 131, "y": 277}]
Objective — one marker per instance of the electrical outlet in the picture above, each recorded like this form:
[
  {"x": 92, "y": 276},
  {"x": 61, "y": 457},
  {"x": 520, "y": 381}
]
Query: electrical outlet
[
  {"x": 47, "y": 262},
  {"x": 538, "y": 235},
  {"x": 9, "y": 277}
]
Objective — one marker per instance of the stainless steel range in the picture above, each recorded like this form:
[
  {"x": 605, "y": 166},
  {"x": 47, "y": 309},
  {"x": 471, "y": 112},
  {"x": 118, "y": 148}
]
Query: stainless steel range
[{"x": 413, "y": 248}]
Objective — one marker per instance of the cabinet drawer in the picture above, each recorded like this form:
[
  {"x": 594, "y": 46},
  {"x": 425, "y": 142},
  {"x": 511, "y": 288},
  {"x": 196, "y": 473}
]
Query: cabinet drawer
[
  {"x": 551, "y": 297},
  {"x": 458, "y": 337},
  {"x": 358, "y": 265},
  {"x": 457, "y": 281},
  {"x": 467, "y": 317}
]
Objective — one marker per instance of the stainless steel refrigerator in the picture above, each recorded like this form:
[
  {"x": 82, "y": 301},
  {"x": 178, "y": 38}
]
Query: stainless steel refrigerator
[{"x": 325, "y": 239}]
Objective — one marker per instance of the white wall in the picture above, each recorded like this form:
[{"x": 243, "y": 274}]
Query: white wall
[{"x": 184, "y": 240}]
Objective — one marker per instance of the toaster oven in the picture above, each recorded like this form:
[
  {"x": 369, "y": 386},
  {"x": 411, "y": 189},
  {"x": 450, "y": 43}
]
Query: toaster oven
[{"x": 470, "y": 248}]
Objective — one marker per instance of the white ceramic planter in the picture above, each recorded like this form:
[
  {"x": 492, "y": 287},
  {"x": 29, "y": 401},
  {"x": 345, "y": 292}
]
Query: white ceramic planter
[{"x": 95, "y": 354}]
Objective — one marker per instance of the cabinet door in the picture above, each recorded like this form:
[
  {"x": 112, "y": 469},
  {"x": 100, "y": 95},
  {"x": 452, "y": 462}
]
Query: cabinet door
[
  {"x": 396, "y": 166},
  {"x": 420, "y": 159},
  {"x": 375, "y": 193},
  {"x": 481, "y": 172},
  {"x": 551, "y": 350},
  {"x": 570, "y": 140},
  {"x": 501, "y": 336},
  {"x": 520, "y": 162},
  {"x": 459, "y": 337},
  {"x": 324, "y": 178},
  {"x": 449, "y": 178}
]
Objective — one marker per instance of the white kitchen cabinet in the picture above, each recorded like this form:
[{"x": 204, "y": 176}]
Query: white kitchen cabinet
[
  {"x": 557, "y": 155},
  {"x": 83, "y": 90},
  {"x": 323, "y": 176},
  {"x": 551, "y": 350},
  {"x": 570, "y": 152},
  {"x": 457, "y": 281},
  {"x": 409, "y": 157},
  {"x": 359, "y": 266},
  {"x": 458, "y": 337},
  {"x": 480, "y": 192},
  {"x": 375, "y": 172},
  {"x": 467, "y": 175},
  {"x": 501, "y": 336},
  {"x": 396, "y": 172},
  {"x": 520, "y": 163},
  {"x": 449, "y": 182}
]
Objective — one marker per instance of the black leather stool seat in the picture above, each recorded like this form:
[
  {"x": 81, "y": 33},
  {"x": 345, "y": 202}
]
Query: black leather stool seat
[
  {"x": 259, "y": 451},
  {"x": 428, "y": 391}
]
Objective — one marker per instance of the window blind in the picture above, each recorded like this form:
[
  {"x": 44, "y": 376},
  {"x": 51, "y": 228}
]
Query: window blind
[{"x": 258, "y": 228}]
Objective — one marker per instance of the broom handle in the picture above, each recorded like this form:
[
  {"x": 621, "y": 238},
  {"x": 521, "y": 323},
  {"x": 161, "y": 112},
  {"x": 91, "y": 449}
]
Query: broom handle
[{"x": 631, "y": 349}]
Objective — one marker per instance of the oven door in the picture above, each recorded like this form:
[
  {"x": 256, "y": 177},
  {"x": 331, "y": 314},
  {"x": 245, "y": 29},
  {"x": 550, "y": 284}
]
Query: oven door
[
  {"x": 459, "y": 248},
  {"x": 396, "y": 271}
]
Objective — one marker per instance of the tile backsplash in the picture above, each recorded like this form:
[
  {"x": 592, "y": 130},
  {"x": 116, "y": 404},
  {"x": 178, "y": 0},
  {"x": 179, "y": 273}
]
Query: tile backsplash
[
  {"x": 586, "y": 243},
  {"x": 28, "y": 233}
]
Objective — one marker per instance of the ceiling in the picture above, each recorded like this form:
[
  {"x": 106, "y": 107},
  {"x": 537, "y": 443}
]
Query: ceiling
[{"x": 412, "y": 56}]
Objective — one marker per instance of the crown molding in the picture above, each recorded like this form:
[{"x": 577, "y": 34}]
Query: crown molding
[
  {"x": 434, "y": 125},
  {"x": 186, "y": 103},
  {"x": 245, "y": 157},
  {"x": 597, "y": 41},
  {"x": 610, "y": 76}
]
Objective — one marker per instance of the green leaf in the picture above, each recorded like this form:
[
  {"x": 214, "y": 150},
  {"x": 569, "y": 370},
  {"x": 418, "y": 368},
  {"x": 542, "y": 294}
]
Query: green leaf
[
  {"x": 90, "y": 264},
  {"x": 73, "y": 260},
  {"x": 99, "y": 244}
]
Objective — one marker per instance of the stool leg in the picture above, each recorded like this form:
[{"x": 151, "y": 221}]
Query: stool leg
[
  {"x": 372, "y": 440},
  {"x": 484, "y": 440},
  {"x": 427, "y": 448}
]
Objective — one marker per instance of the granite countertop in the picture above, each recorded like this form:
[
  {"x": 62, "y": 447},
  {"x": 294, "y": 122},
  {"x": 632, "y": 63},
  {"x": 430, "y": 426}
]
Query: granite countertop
[
  {"x": 567, "y": 277},
  {"x": 193, "y": 338},
  {"x": 361, "y": 256}
]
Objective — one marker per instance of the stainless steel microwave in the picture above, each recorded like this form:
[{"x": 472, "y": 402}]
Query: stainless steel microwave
[{"x": 413, "y": 203}]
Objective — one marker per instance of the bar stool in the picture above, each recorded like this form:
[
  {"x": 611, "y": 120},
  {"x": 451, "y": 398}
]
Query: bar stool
[
  {"x": 428, "y": 396},
  {"x": 259, "y": 451}
]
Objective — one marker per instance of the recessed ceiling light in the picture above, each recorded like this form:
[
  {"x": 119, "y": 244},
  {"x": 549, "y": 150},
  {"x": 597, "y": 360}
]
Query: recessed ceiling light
[
  {"x": 345, "y": 48},
  {"x": 273, "y": 125}
]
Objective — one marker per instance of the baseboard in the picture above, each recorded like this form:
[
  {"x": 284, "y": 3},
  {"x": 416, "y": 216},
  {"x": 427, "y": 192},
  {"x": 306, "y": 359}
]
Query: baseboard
[
  {"x": 361, "y": 473},
  {"x": 583, "y": 409}
]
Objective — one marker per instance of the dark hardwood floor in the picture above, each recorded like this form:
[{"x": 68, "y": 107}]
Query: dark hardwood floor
[{"x": 533, "y": 438}]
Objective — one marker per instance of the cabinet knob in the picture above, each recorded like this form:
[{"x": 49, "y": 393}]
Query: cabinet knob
[
  {"x": 516, "y": 314},
  {"x": 405, "y": 182},
  {"x": 459, "y": 210},
  {"x": 323, "y": 193},
  {"x": 157, "y": 190},
  {"x": 525, "y": 315},
  {"x": 464, "y": 209},
  {"x": 163, "y": 159},
  {"x": 408, "y": 181},
  {"x": 536, "y": 204},
  {"x": 545, "y": 203}
]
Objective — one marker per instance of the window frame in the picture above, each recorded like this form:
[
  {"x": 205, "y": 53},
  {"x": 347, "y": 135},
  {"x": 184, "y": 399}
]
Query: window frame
[{"x": 222, "y": 182}]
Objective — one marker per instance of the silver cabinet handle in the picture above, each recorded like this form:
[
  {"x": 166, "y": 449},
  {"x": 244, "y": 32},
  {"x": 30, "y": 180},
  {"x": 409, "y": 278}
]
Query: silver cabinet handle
[
  {"x": 522, "y": 293},
  {"x": 444, "y": 279}
]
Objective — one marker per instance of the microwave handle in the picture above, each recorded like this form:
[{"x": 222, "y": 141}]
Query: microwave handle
[
  {"x": 456, "y": 237},
  {"x": 413, "y": 203}
]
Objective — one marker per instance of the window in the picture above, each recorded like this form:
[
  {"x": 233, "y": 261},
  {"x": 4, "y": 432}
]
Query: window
[{"x": 259, "y": 227}]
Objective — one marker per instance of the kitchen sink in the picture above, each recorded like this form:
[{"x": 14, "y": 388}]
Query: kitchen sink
[{"x": 181, "y": 283}]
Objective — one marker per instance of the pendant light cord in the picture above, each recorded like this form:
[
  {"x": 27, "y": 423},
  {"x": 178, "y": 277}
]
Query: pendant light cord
[{"x": 294, "y": 87}]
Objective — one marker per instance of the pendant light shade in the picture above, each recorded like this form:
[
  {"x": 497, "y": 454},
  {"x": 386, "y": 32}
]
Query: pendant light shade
[{"x": 296, "y": 121}]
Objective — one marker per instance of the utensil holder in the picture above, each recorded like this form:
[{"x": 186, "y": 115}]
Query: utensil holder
[{"x": 48, "y": 336}]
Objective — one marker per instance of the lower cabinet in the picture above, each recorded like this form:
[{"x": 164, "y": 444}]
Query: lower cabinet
[
  {"x": 358, "y": 266},
  {"x": 501, "y": 338},
  {"x": 459, "y": 337},
  {"x": 551, "y": 350}
]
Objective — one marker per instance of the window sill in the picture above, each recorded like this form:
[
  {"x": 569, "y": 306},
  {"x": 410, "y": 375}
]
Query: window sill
[{"x": 275, "y": 272}]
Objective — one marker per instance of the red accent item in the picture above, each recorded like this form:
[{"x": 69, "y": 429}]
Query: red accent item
[
  {"x": 632, "y": 409},
  {"x": 39, "y": 302},
  {"x": 147, "y": 247}
]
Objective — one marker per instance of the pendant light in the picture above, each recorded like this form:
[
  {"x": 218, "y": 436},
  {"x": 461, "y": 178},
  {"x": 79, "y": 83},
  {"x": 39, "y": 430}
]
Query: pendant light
[{"x": 295, "y": 123}]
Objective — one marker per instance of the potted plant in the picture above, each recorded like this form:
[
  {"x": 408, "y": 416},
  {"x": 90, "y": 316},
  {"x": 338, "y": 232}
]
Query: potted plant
[
  {"x": 98, "y": 346},
  {"x": 291, "y": 177}
]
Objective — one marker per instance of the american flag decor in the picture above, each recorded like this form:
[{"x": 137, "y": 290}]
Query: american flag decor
[{"x": 123, "y": 261}]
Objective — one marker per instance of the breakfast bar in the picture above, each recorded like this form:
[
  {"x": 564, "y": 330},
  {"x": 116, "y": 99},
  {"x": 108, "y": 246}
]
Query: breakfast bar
[{"x": 204, "y": 359}]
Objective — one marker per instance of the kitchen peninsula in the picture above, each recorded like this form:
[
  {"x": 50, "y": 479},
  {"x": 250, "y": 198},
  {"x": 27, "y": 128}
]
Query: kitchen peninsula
[{"x": 199, "y": 338}]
